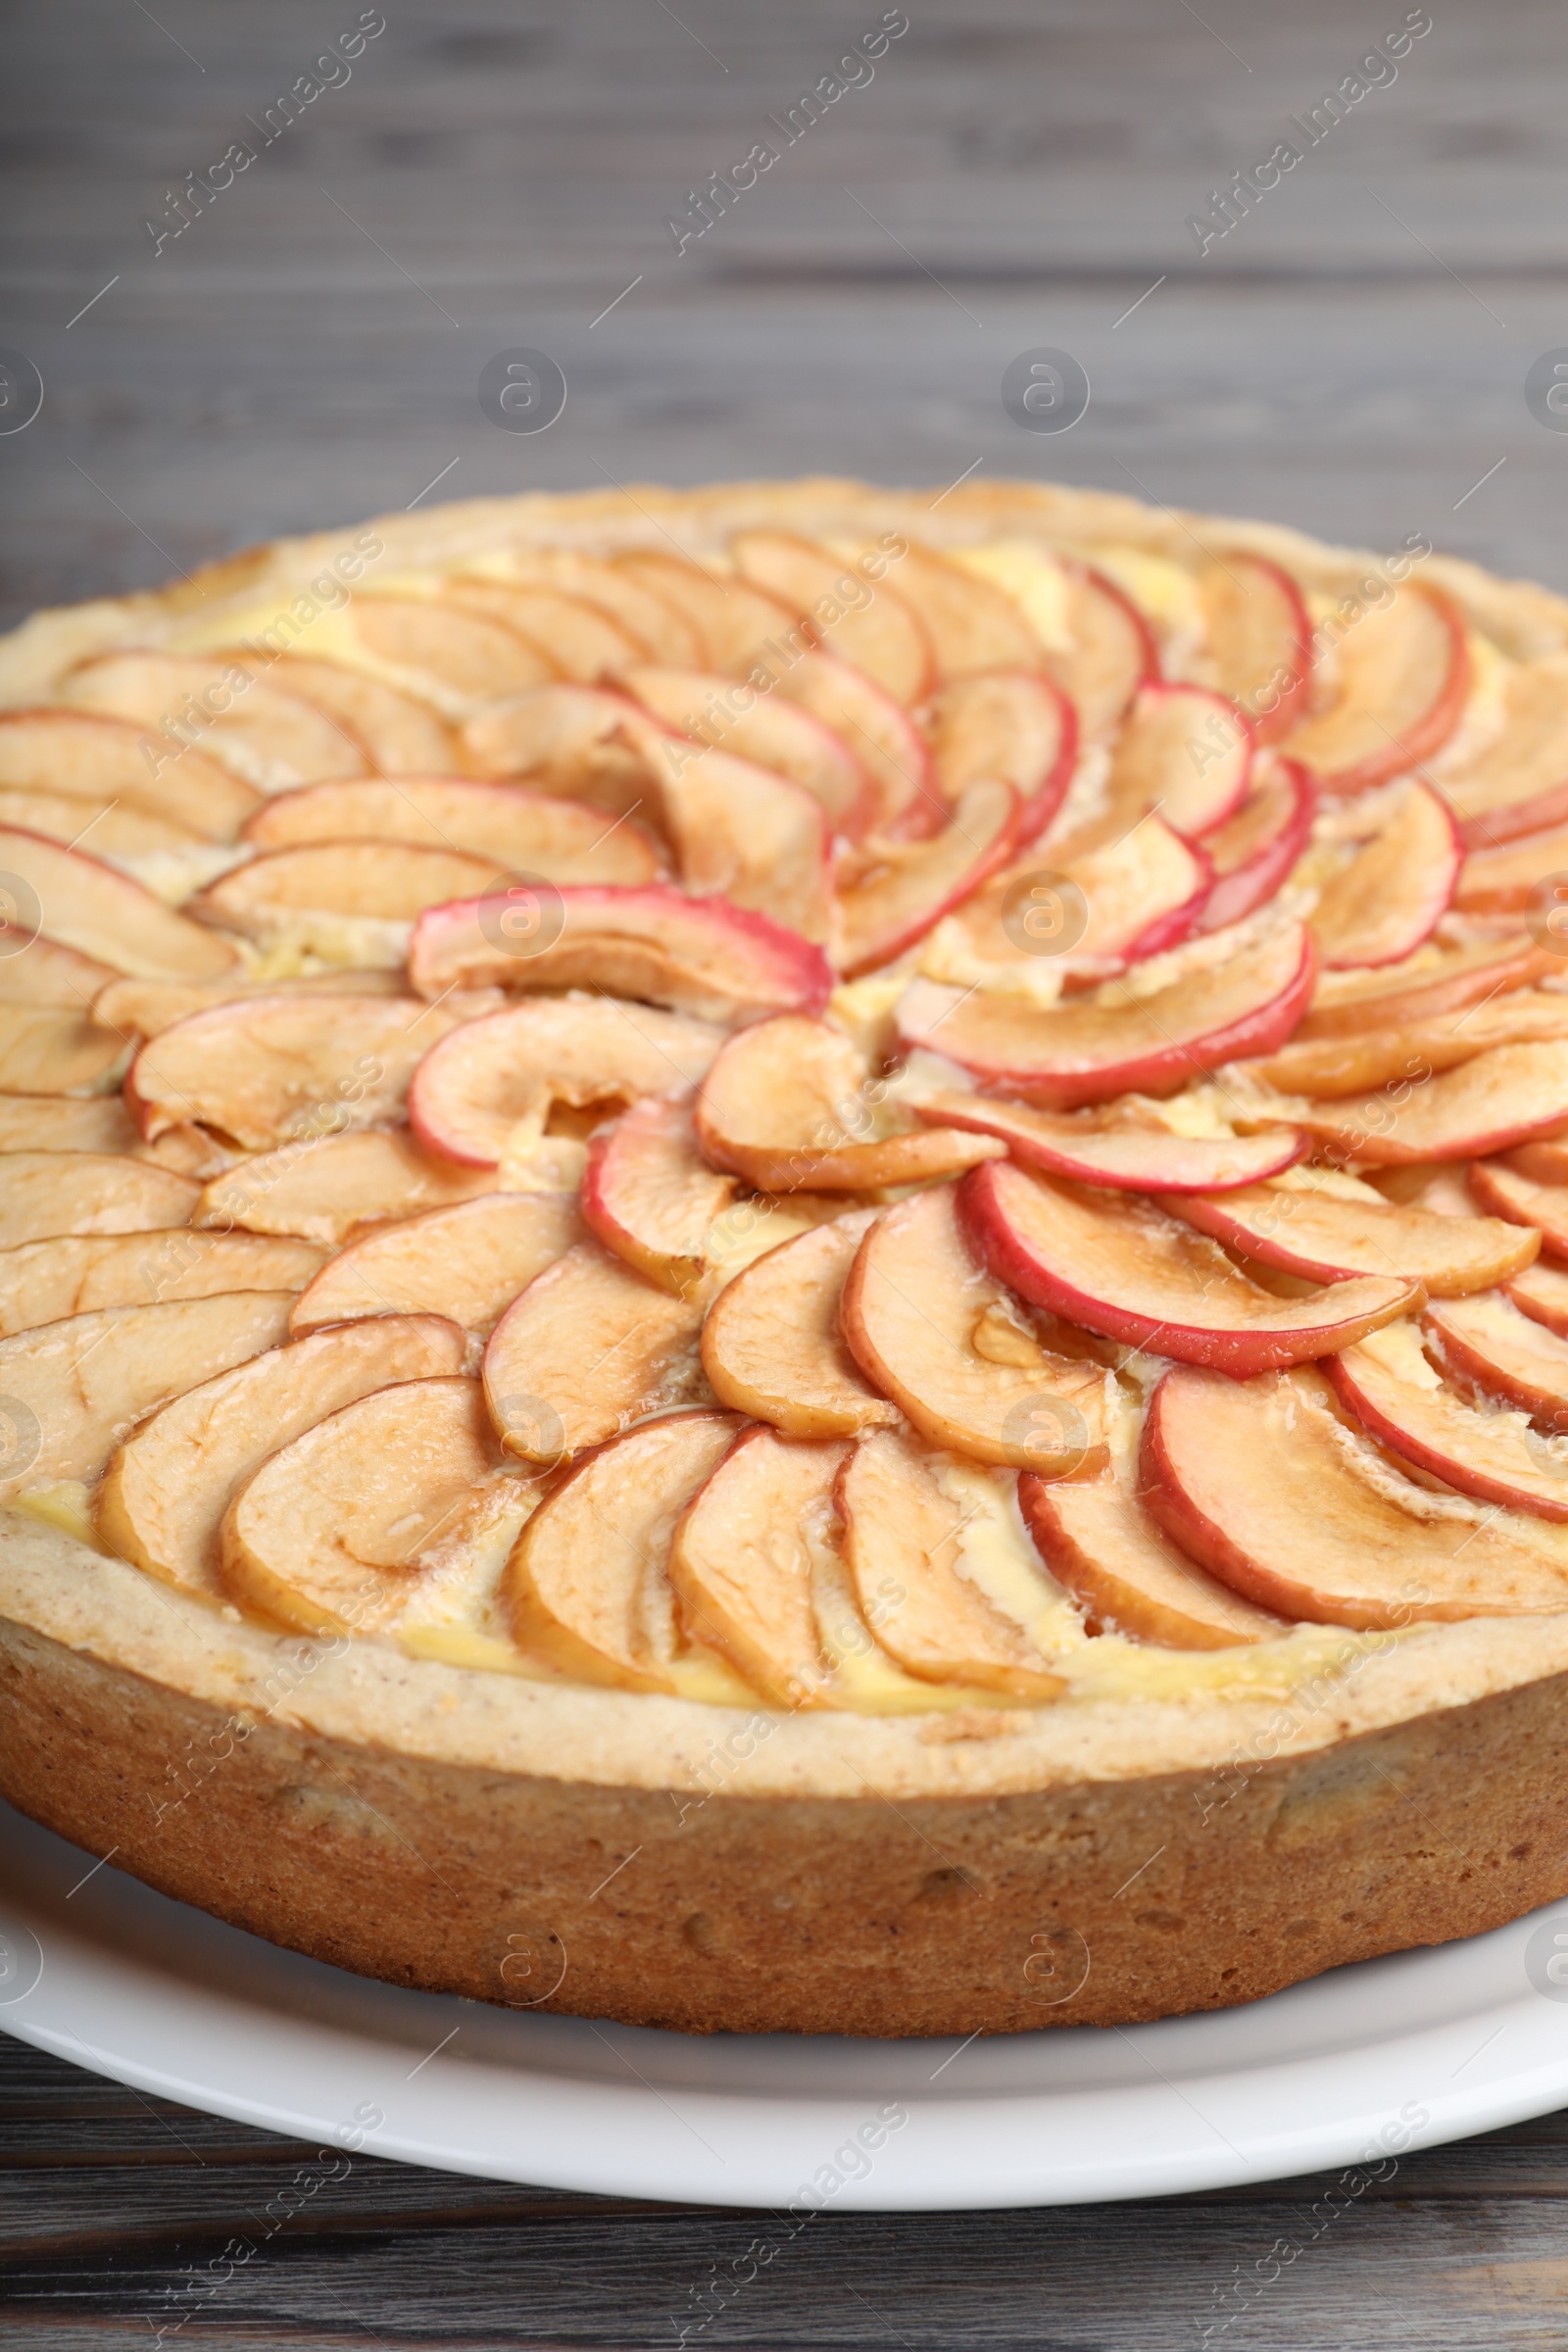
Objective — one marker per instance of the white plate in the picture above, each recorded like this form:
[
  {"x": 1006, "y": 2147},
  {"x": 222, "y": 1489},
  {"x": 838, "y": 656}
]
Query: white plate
[{"x": 1357, "y": 2066}]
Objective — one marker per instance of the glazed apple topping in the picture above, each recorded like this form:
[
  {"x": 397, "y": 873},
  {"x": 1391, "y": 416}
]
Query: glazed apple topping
[{"x": 811, "y": 1121}]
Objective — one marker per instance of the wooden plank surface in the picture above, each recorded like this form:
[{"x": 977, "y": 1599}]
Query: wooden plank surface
[{"x": 1350, "y": 358}]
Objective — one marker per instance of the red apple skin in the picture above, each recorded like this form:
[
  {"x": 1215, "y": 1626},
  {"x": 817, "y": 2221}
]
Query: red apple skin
[
  {"x": 1142, "y": 630},
  {"x": 1269, "y": 725},
  {"x": 1177, "y": 923},
  {"x": 990, "y": 860},
  {"x": 995, "y": 1240},
  {"x": 1263, "y": 1030},
  {"x": 1226, "y": 710},
  {"x": 1252, "y": 884},
  {"x": 1431, "y": 730},
  {"x": 795, "y": 975},
  {"x": 1433, "y": 904},
  {"x": 1515, "y": 818},
  {"x": 1388, "y": 1431},
  {"x": 1037, "y": 1152},
  {"x": 1042, "y": 805},
  {"x": 1165, "y": 1499}
]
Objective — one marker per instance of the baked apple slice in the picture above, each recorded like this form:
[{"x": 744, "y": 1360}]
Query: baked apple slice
[
  {"x": 321, "y": 1188},
  {"x": 1495, "y": 1457},
  {"x": 904, "y": 888},
  {"x": 441, "y": 652},
  {"x": 1435, "y": 987},
  {"x": 147, "y": 1007},
  {"x": 165, "y": 1493},
  {"x": 1254, "y": 854},
  {"x": 699, "y": 956},
  {"x": 43, "y": 972},
  {"x": 743, "y": 1561},
  {"x": 1499, "y": 1097},
  {"x": 585, "y": 1588},
  {"x": 505, "y": 824},
  {"x": 1500, "y": 878},
  {"x": 1119, "y": 1152},
  {"x": 1259, "y": 1482},
  {"x": 91, "y": 907},
  {"x": 870, "y": 624},
  {"x": 739, "y": 625},
  {"x": 1380, "y": 907},
  {"x": 1111, "y": 653},
  {"x": 581, "y": 742},
  {"x": 771, "y": 1345},
  {"x": 1325, "y": 1239},
  {"x": 1183, "y": 750},
  {"x": 880, "y": 733},
  {"x": 770, "y": 733},
  {"x": 1403, "y": 678},
  {"x": 120, "y": 830},
  {"x": 1545, "y": 1161},
  {"x": 401, "y": 735},
  {"x": 904, "y": 1544},
  {"x": 264, "y": 1069},
  {"x": 69, "y": 1123},
  {"x": 267, "y": 737},
  {"x": 1517, "y": 782},
  {"x": 586, "y": 1348},
  {"x": 1011, "y": 723},
  {"x": 742, "y": 832},
  {"x": 579, "y": 639},
  {"x": 74, "y": 1388},
  {"x": 337, "y": 1530},
  {"x": 70, "y": 1274},
  {"x": 46, "y": 1050},
  {"x": 1329, "y": 1067},
  {"x": 790, "y": 1104},
  {"x": 46, "y": 1193},
  {"x": 1507, "y": 1193},
  {"x": 1541, "y": 1292},
  {"x": 927, "y": 1323},
  {"x": 468, "y": 1261},
  {"x": 92, "y": 758},
  {"x": 473, "y": 1086},
  {"x": 1487, "y": 1345},
  {"x": 1086, "y": 1052},
  {"x": 1259, "y": 638},
  {"x": 1123, "y": 1269},
  {"x": 666, "y": 633},
  {"x": 1097, "y": 1538},
  {"x": 302, "y": 891},
  {"x": 649, "y": 1195},
  {"x": 971, "y": 622}
]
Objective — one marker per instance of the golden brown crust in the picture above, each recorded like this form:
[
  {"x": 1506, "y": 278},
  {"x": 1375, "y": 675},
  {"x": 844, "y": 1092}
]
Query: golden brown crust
[{"x": 1078, "y": 1902}]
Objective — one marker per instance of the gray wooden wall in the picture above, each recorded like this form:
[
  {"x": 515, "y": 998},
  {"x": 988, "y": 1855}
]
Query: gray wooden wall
[{"x": 1350, "y": 357}]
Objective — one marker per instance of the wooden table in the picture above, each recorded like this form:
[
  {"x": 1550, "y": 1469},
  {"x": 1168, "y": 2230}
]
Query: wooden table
[{"x": 1349, "y": 357}]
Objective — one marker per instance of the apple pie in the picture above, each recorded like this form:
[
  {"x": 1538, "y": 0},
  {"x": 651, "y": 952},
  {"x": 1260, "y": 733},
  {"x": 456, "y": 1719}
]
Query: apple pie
[{"x": 794, "y": 1258}]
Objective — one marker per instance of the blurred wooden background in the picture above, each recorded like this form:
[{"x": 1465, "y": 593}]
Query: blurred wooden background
[{"x": 1350, "y": 358}]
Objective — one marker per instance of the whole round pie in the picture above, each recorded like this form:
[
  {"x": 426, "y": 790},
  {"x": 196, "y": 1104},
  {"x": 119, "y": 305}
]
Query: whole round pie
[{"x": 794, "y": 1257}]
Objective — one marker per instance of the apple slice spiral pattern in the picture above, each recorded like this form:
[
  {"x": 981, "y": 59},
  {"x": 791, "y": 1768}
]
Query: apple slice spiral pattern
[{"x": 618, "y": 1147}]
